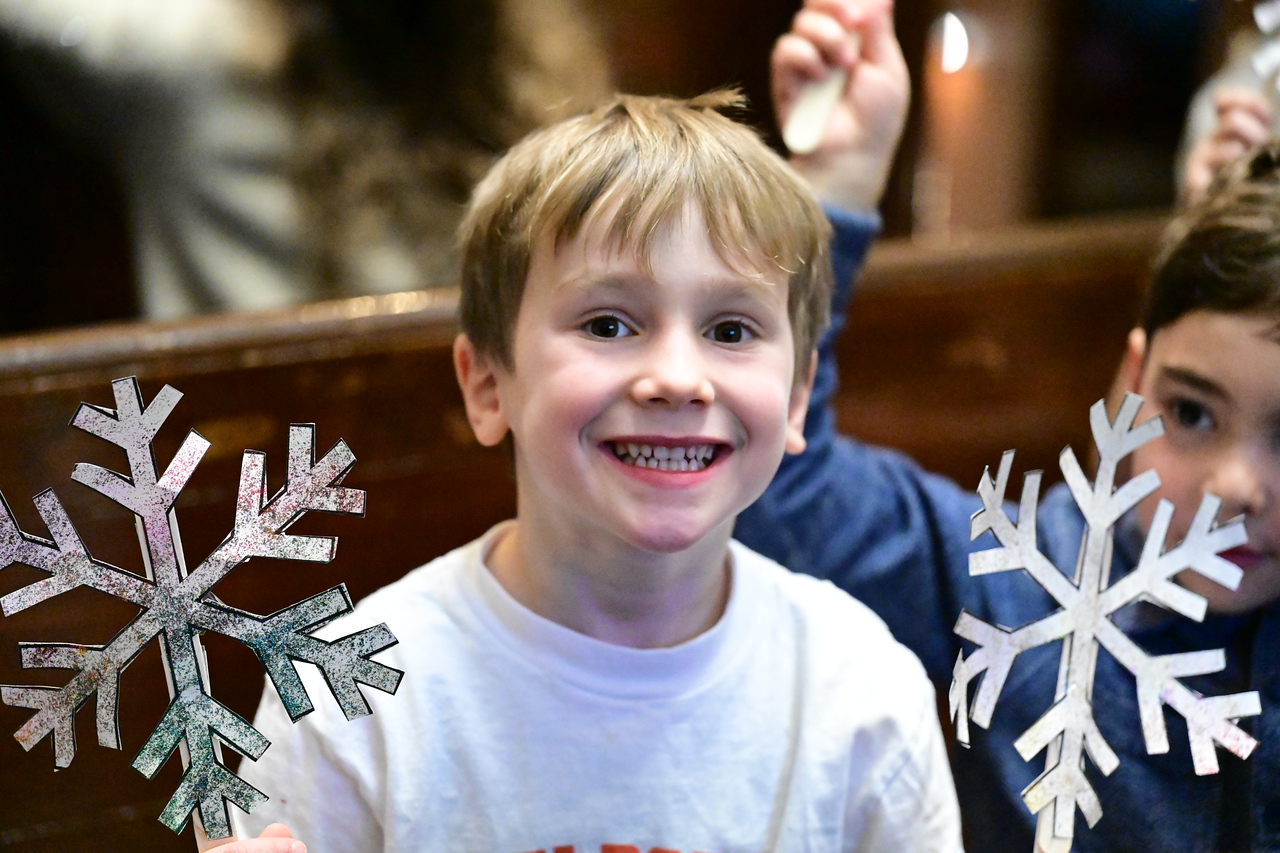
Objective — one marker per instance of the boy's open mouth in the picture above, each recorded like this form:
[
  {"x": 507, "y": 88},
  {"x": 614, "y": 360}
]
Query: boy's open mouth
[{"x": 666, "y": 458}]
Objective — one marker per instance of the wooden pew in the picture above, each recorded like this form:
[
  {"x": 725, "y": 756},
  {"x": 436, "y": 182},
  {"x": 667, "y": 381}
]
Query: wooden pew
[{"x": 954, "y": 354}]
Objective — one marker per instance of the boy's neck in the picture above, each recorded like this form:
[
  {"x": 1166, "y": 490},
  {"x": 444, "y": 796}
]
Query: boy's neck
[{"x": 613, "y": 592}]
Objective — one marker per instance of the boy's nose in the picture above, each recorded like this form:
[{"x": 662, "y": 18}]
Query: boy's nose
[
  {"x": 1241, "y": 481},
  {"x": 674, "y": 373}
]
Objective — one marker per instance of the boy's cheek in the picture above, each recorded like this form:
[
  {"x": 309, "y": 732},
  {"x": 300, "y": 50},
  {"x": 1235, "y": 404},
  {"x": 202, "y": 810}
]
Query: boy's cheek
[
  {"x": 1259, "y": 588},
  {"x": 1180, "y": 483}
]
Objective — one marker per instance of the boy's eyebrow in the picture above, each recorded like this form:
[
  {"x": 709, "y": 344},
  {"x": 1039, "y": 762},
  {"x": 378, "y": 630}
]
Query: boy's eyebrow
[
  {"x": 589, "y": 282},
  {"x": 613, "y": 280},
  {"x": 1193, "y": 379},
  {"x": 744, "y": 285}
]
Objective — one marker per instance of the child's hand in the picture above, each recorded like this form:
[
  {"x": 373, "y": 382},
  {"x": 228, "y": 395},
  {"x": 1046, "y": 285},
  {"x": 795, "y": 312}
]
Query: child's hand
[
  {"x": 1244, "y": 120},
  {"x": 851, "y": 164},
  {"x": 276, "y": 838}
]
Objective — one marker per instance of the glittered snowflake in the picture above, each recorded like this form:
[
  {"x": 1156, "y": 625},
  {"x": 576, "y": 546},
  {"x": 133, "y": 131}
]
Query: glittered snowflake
[
  {"x": 177, "y": 605},
  {"x": 1067, "y": 731}
]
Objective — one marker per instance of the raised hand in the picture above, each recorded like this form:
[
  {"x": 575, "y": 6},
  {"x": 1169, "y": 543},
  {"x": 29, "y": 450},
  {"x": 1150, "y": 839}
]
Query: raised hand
[
  {"x": 1244, "y": 120},
  {"x": 851, "y": 162}
]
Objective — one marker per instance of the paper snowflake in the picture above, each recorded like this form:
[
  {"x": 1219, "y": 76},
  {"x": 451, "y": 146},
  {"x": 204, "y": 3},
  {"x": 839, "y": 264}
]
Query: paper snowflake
[
  {"x": 176, "y": 606},
  {"x": 1067, "y": 731}
]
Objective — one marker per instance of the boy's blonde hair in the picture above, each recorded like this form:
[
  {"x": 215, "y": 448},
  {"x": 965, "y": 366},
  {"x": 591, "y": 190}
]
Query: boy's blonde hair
[{"x": 641, "y": 160}]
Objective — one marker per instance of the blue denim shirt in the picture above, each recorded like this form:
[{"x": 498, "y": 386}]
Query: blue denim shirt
[{"x": 897, "y": 538}]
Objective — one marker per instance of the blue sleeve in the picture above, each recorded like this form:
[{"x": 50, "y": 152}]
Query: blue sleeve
[{"x": 866, "y": 518}]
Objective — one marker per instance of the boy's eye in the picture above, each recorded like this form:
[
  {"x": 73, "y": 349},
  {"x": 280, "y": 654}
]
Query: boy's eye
[
  {"x": 1192, "y": 415},
  {"x": 729, "y": 332},
  {"x": 606, "y": 326}
]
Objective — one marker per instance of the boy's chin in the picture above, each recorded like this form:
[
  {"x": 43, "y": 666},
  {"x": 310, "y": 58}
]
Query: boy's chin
[
  {"x": 1259, "y": 588},
  {"x": 678, "y": 538},
  {"x": 666, "y": 542}
]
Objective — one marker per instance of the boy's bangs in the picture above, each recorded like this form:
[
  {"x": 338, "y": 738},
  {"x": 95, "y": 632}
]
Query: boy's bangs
[{"x": 632, "y": 182}]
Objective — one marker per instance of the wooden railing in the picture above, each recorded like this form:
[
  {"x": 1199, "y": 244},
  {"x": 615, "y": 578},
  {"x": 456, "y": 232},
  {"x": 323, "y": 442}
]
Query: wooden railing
[{"x": 953, "y": 354}]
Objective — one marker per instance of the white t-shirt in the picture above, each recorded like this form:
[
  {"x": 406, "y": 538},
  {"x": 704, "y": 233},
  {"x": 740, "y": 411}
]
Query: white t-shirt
[{"x": 796, "y": 723}]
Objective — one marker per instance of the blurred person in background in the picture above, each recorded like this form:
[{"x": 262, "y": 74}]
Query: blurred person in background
[
  {"x": 1233, "y": 111},
  {"x": 275, "y": 152}
]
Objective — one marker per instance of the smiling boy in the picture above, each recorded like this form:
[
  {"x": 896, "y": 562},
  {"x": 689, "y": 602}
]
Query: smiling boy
[
  {"x": 660, "y": 396},
  {"x": 609, "y": 672}
]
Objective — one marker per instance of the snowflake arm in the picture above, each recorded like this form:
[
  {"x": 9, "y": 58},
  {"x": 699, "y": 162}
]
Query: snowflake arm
[
  {"x": 1209, "y": 719},
  {"x": 1068, "y": 723},
  {"x": 65, "y": 559},
  {"x": 206, "y": 784},
  {"x": 260, "y": 524},
  {"x": 98, "y": 671},
  {"x": 1017, "y": 548},
  {"x": 997, "y": 647},
  {"x": 1197, "y": 551},
  {"x": 284, "y": 637}
]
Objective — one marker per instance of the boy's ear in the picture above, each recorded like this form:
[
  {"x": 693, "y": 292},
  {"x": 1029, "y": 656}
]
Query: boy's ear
[
  {"x": 478, "y": 379},
  {"x": 797, "y": 408},
  {"x": 1135, "y": 356}
]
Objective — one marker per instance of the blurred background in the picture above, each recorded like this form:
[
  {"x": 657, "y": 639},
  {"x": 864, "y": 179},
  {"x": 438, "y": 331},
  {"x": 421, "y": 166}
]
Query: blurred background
[{"x": 1041, "y": 110}]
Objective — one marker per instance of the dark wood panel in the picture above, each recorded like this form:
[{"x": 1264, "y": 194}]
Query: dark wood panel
[{"x": 62, "y": 213}]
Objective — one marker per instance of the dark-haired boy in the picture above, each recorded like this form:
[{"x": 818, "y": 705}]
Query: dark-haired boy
[{"x": 1207, "y": 359}]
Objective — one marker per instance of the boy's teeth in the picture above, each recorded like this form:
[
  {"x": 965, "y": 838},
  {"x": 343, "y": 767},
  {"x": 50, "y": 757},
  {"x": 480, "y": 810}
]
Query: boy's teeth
[{"x": 665, "y": 458}]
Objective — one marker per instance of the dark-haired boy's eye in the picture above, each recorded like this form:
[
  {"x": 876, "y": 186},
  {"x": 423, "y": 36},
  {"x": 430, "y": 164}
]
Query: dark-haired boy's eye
[
  {"x": 1192, "y": 415},
  {"x": 729, "y": 332},
  {"x": 606, "y": 326}
]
